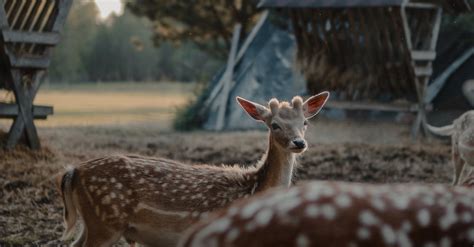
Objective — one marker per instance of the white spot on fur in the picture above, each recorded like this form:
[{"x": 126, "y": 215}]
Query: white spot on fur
[
  {"x": 388, "y": 234},
  {"x": 264, "y": 217},
  {"x": 363, "y": 233},
  {"x": 368, "y": 218},
  {"x": 377, "y": 203},
  {"x": 343, "y": 201},
  {"x": 141, "y": 181},
  {"x": 312, "y": 211},
  {"x": 113, "y": 180},
  {"x": 423, "y": 217},
  {"x": 466, "y": 217},
  {"x": 328, "y": 211},
  {"x": 113, "y": 195},
  {"x": 302, "y": 241},
  {"x": 449, "y": 218}
]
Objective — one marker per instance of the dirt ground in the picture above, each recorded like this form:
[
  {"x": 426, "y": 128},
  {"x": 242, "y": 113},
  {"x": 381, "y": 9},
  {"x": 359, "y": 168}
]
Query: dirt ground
[{"x": 30, "y": 209}]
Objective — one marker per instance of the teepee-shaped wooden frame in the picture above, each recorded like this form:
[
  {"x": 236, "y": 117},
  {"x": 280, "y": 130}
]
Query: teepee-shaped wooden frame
[{"x": 29, "y": 30}]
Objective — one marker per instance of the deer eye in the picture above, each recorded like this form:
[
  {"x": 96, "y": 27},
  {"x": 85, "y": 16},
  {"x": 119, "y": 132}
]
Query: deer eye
[
  {"x": 305, "y": 122},
  {"x": 275, "y": 126}
]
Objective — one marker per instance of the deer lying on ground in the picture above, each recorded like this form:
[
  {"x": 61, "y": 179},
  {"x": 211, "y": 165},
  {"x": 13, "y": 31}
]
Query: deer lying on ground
[
  {"x": 343, "y": 214},
  {"x": 151, "y": 201},
  {"x": 462, "y": 139}
]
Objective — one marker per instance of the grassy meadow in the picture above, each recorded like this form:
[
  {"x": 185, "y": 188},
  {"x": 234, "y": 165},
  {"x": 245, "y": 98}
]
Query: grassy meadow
[{"x": 111, "y": 103}]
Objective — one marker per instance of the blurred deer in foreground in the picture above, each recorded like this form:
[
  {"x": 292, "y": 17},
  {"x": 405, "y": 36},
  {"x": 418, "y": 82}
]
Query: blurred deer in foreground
[
  {"x": 343, "y": 214},
  {"x": 151, "y": 201},
  {"x": 462, "y": 139}
]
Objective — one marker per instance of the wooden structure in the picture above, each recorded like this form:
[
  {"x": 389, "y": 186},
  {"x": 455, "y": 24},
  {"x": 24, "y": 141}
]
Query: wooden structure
[
  {"x": 375, "y": 54},
  {"x": 29, "y": 30}
]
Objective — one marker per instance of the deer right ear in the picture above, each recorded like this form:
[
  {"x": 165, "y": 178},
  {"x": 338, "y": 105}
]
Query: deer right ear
[{"x": 256, "y": 111}]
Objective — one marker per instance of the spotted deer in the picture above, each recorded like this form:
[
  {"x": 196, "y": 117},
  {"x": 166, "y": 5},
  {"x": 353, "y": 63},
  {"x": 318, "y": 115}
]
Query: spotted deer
[
  {"x": 151, "y": 201},
  {"x": 462, "y": 145},
  {"x": 343, "y": 214}
]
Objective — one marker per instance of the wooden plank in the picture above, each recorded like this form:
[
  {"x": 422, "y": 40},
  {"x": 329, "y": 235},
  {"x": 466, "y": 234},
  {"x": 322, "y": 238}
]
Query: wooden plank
[
  {"x": 406, "y": 27},
  {"x": 29, "y": 62},
  {"x": 18, "y": 13},
  {"x": 423, "y": 71},
  {"x": 229, "y": 75},
  {"x": 24, "y": 99},
  {"x": 12, "y": 111},
  {"x": 64, "y": 6},
  {"x": 42, "y": 22},
  {"x": 31, "y": 37},
  {"x": 421, "y": 5},
  {"x": 218, "y": 86},
  {"x": 436, "y": 28},
  {"x": 26, "y": 15},
  {"x": 374, "y": 106},
  {"x": 423, "y": 55},
  {"x": 3, "y": 15}
]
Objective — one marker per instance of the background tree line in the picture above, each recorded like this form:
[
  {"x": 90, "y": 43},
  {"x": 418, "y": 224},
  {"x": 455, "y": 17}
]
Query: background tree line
[{"x": 121, "y": 48}]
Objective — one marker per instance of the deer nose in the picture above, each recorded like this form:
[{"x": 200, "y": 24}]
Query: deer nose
[{"x": 299, "y": 143}]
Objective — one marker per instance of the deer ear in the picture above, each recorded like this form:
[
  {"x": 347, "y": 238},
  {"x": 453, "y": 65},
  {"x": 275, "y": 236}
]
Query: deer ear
[
  {"x": 256, "y": 111},
  {"x": 313, "y": 105}
]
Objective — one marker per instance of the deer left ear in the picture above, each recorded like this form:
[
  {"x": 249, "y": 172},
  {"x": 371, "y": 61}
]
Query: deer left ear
[{"x": 313, "y": 105}]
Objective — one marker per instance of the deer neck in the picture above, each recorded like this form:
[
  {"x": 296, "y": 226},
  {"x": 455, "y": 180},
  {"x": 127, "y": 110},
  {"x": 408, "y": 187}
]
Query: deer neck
[{"x": 276, "y": 167}]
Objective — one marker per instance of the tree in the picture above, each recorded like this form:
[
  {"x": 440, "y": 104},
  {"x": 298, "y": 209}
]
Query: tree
[
  {"x": 207, "y": 23},
  {"x": 67, "y": 63}
]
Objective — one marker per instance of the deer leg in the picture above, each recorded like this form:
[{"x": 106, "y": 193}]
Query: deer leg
[
  {"x": 458, "y": 164},
  {"x": 102, "y": 238},
  {"x": 82, "y": 238}
]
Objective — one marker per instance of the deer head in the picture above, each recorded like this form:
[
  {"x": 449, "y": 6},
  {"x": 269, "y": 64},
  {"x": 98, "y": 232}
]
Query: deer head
[{"x": 286, "y": 121}]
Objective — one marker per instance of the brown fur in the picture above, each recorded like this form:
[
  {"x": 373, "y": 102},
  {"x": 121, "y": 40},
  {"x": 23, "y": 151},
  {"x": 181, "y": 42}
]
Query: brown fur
[{"x": 343, "y": 214}]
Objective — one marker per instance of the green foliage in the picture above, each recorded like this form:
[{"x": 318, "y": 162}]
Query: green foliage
[
  {"x": 188, "y": 117},
  {"x": 120, "y": 48},
  {"x": 208, "y": 24}
]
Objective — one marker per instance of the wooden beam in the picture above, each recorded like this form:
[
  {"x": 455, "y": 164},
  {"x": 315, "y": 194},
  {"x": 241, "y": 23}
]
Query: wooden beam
[
  {"x": 63, "y": 6},
  {"x": 374, "y": 106},
  {"x": 3, "y": 15},
  {"x": 12, "y": 111},
  {"x": 228, "y": 77},
  {"x": 421, "y": 5},
  {"x": 29, "y": 62},
  {"x": 423, "y": 71},
  {"x": 423, "y": 55},
  {"x": 31, "y": 37}
]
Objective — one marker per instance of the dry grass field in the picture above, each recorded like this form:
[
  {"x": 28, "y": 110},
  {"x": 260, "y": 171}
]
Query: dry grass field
[
  {"x": 93, "y": 122},
  {"x": 111, "y": 103}
]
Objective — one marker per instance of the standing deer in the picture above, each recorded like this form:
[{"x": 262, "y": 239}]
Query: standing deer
[
  {"x": 334, "y": 214},
  {"x": 462, "y": 143},
  {"x": 151, "y": 201}
]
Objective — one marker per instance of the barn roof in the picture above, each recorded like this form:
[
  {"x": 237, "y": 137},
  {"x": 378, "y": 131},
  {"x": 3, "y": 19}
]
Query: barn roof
[{"x": 451, "y": 5}]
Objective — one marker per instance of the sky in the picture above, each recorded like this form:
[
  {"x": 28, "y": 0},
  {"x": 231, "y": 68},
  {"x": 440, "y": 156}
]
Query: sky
[{"x": 106, "y": 7}]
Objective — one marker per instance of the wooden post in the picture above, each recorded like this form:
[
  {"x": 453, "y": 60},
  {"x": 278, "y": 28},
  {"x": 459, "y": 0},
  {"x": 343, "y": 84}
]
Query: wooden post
[
  {"x": 227, "y": 78},
  {"x": 24, "y": 96}
]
